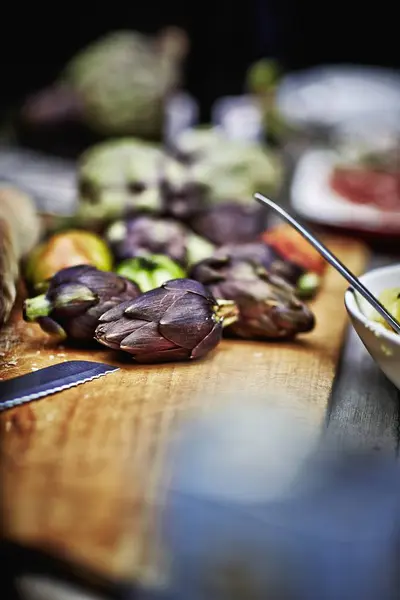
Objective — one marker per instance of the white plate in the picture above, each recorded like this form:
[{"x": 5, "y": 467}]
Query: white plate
[
  {"x": 314, "y": 200},
  {"x": 332, "y": 95}
]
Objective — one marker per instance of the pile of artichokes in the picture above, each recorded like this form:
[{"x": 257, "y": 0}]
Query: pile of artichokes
[
  {"x": 167, "y": 252},
  {"x": 206, "y": 181},
  {"x": 160, "y": 301}
]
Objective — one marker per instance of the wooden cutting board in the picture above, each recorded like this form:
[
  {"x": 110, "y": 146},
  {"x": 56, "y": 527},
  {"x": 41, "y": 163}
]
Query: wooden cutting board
[{"x": 78, "y": 469}]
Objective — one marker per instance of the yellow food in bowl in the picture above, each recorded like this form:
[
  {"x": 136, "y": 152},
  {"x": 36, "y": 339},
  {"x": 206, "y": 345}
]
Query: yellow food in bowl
[{"x": 390, "y": 299}]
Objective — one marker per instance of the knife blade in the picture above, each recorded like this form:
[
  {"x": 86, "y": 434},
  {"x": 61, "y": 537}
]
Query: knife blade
[{"x": 50, "y": 380}]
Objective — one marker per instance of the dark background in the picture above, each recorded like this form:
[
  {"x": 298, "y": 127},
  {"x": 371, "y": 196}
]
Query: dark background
[{"x": 225, "y": 35}]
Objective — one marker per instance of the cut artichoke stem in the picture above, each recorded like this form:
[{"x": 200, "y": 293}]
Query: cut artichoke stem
[
  {"x": 37, "y": 307},
  {"x": 307, "y": 285},
  {"x": 226, "y": 311}
]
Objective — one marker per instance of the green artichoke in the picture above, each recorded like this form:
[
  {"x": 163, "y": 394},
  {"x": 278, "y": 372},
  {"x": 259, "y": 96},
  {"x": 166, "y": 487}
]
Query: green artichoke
[
  {"x": 150, "y": 272},
  {"x": 117, "y": 176},
  {"x": 125, "y": 176},
  {"x": 116, "y": 86},
  {"x": 229, "y": 168},
  {"x": 180, "y": 320}
]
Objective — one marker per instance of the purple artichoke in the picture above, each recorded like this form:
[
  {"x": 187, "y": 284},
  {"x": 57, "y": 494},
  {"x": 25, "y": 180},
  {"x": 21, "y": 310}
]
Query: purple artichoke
[
  {"x": 268, "y": 305},
  {"x": 76, "y": 298},
  {"x": 145, "y": 235},
  {"x": 229, "y": 223},
  {"x": 262, "y": 255},
  {"x": 180, "y": 320}
]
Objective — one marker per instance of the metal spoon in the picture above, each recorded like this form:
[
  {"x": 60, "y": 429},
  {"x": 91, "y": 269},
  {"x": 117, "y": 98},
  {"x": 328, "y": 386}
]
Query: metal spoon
[{"x": 335, "y": 262}]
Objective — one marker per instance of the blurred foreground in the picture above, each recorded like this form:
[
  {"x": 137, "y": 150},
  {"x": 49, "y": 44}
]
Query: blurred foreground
[{"x": 258, "y": 506}]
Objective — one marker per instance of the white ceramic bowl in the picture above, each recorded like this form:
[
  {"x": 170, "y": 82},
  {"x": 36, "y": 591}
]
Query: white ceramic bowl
[{"x": 382, "y": 344}]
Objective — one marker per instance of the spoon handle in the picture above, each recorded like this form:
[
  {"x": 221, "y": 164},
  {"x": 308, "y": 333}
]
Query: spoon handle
[{"x": 335, "y": 262}]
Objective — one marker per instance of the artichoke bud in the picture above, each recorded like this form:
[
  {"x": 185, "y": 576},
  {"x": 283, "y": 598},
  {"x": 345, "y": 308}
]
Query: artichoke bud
[
  {"x": 268, "y": 306},
  {"x": 229, "y": 168},
  {"x": 263, "y": 255},
  {"x": 119, "y": 177},
  {"x": 146, "y": 235},
  {"x": 177, "y": 321},
  {"x": 75, "y": 298},
  {"x": 124, "y": 78},
  {"x": 150, "y": 272}
]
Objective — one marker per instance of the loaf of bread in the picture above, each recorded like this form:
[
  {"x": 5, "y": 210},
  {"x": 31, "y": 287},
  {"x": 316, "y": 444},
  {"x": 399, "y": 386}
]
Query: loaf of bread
[{"x": 20, "y": 230}]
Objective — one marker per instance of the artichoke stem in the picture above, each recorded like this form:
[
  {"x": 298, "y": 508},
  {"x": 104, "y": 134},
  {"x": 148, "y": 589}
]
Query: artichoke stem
[
  {"x": 37, "y": 307},
  {"x": 307, "y": 285},
  {"x": 227, "y": 311}
]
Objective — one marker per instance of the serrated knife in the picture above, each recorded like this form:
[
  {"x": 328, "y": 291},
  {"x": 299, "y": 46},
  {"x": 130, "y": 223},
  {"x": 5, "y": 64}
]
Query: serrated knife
[{"x": 50, "y": 380}]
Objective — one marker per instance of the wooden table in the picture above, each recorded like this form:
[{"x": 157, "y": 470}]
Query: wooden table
[
  {"x": 78, "y": 469},
  {"x": 364, "y": 408}
]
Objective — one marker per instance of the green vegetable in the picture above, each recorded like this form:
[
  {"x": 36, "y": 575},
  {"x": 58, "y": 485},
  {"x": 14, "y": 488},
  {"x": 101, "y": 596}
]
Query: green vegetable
[
  {"x": 149, "y": 272},
  {"x": 117, "y": 85},
  {"x": 229, "y": 169},
  {"x": 146, "y": 235},
  {"x": 128, "y": 176},
  {"x": 263, "y": 76},
  {"x": 307, "y": 285}
]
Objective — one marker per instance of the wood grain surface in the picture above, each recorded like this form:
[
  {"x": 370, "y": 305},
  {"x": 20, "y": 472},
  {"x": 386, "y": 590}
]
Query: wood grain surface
[{"x": 78, "y": 469}]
